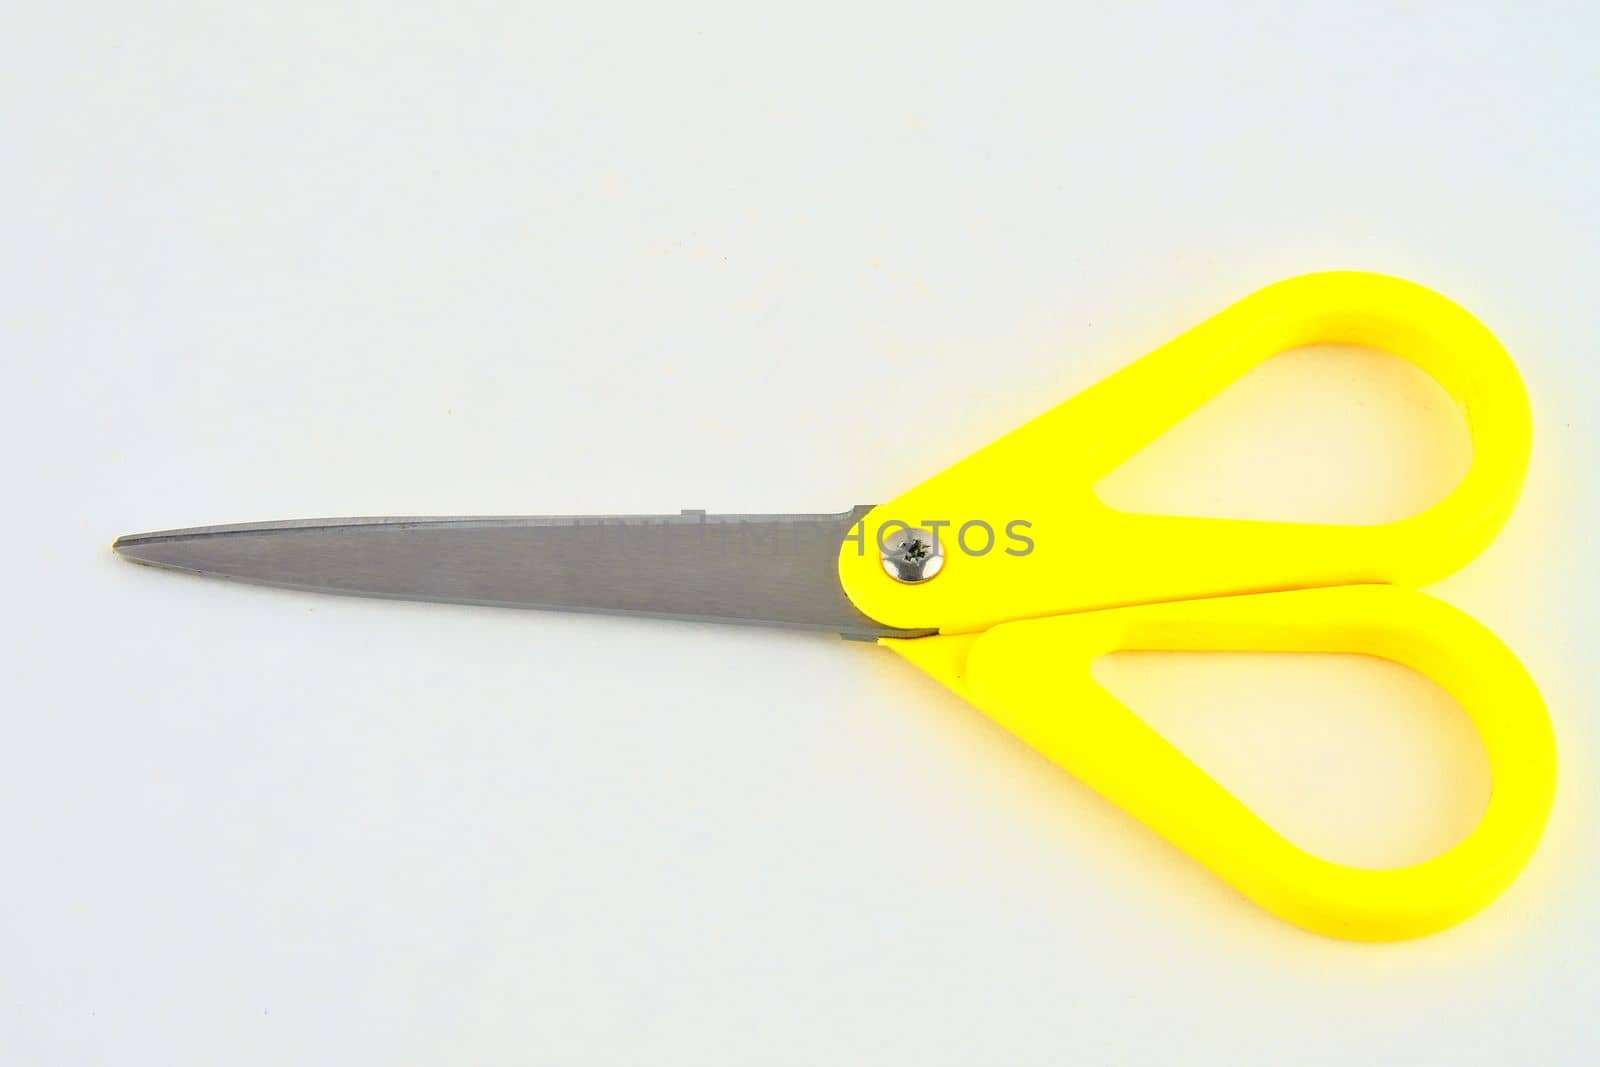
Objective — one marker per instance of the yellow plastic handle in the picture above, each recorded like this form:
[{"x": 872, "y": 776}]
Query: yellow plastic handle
[
  {"x": 1034, "y": 678},
  {"x": 1088, "y": 555}
]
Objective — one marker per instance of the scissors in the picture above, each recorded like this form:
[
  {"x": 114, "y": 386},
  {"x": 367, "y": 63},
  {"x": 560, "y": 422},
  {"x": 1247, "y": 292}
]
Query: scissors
[{"x": 1005, "y": 577}]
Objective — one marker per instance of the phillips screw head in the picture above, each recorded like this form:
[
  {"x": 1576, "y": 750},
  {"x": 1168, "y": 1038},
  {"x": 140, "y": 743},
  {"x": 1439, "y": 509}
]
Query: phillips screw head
[{"x": 912, "y": 555}]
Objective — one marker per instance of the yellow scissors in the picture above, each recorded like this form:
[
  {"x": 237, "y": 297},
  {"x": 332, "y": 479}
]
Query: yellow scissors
[{"x": 1005, "y": 577}]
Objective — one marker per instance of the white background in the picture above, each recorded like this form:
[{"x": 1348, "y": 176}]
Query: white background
[{"x": 297, "y": 259}]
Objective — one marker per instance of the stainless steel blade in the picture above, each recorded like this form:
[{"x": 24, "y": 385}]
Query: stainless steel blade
[{"x": 777, "y": 570}]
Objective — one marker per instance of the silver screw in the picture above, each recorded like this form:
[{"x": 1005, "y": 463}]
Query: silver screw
[{"x": 912, "y": 555}]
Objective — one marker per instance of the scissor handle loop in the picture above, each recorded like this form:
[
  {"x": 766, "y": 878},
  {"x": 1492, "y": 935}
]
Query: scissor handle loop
[
  {"x": 1034, "y": 678},
  {"x": 1087, "y": 555}
]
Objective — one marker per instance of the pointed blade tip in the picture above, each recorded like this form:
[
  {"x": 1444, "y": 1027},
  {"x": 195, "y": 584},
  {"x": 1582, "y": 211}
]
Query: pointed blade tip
[{"x": 129, "y": 547}]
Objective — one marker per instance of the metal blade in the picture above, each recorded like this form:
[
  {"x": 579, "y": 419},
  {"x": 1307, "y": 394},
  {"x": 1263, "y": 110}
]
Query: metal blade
[{"x": 778, "y": 570}]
